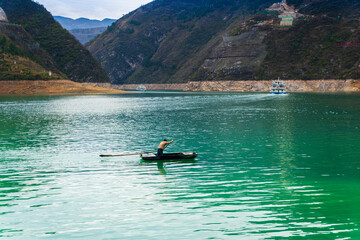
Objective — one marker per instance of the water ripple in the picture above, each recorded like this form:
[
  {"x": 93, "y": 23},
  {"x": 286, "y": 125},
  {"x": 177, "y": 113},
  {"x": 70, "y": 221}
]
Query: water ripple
[{"x": 268, "y": 167}]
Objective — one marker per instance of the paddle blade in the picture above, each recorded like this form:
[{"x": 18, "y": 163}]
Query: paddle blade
[{"x": 128, "y": 154}]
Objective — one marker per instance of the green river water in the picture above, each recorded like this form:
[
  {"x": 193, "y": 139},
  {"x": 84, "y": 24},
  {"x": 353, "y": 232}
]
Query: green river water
[{"x": 269, "y": 167}]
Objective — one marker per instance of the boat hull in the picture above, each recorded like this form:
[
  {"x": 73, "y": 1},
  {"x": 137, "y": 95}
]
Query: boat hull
[
  {"x": 278, "y": 87},
  {"x": 169, "y": 156}
]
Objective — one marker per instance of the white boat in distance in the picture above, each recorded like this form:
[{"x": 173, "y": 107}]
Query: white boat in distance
[
  {"x": 141, "y": 88},
  {"x": 278, "y": 87}
]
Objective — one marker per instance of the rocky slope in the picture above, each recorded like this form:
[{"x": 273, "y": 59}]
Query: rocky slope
[
  {"x": 177, "y": 41},
  {"x": 69, "y": 55}
]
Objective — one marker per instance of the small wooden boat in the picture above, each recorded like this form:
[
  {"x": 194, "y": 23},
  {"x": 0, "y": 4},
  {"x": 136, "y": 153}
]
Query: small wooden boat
[{"x": 169, "y": 156}]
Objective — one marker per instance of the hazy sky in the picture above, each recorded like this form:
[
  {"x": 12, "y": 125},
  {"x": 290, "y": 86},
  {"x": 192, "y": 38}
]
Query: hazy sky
[{"x": 94, "y": 9}]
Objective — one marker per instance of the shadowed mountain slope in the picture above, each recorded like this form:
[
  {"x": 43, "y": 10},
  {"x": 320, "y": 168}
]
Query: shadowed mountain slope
[{"x": 83, "y": 23}]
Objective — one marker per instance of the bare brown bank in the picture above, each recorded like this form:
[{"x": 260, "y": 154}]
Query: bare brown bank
[
  {"x": 51, "y": 87},
  {"x": 251, "y": 86}
]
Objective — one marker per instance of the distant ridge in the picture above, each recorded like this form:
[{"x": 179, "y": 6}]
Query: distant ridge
[
  {"x": 83, "y": 23},
  {"x": 84, "y": 29}
]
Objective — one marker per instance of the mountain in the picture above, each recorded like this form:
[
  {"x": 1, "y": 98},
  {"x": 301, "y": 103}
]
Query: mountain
[
  {"x": 166, "y": 40},
  {"x": 84, "y": 29},
  {"x": 169, "y": 41},
  {"x": 69, "y": 56},
  {"x": 83, "y": 23}
]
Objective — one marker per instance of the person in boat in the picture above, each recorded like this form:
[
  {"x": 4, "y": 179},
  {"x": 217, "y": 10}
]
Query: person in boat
[{"x": 162, "y": 146}]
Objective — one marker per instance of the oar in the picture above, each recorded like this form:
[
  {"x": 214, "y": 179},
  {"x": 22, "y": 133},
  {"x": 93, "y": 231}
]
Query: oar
[{"x": 120, "y": 155}]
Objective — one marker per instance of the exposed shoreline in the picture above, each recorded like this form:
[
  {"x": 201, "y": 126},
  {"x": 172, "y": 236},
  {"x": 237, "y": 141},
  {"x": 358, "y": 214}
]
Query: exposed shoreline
[
  {"x": 67, "y": 87},
  {"x": 319, "y": 86},
  {"x": 52, "y": 88}
]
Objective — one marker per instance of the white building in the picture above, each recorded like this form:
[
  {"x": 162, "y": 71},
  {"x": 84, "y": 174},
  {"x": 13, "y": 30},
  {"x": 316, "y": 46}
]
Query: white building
[{"x": 3, "y": 17}]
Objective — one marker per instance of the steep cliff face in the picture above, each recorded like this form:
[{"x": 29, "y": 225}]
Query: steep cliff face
[
  {"x": 178, "y": 41},
  {"x": 69, "y": 55}
]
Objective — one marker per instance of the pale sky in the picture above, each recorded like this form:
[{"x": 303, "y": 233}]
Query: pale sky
[{"x": 93, "y": 9}]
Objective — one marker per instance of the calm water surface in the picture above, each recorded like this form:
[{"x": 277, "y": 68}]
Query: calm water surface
[{"x": 269, "y": 167}]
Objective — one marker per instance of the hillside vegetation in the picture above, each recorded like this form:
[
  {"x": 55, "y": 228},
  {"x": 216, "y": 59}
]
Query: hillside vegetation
[
  {"x": 313, "y": 48},
  {"x": 177, "y": 41},
  {"x": 159, "y": 41},
  {"x": 21, "y": 58},
  {"x": 309, "y": 51},
  {"x": 69, "y": 55}
]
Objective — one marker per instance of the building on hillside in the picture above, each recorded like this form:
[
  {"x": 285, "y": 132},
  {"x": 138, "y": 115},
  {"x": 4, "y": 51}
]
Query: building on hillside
[
  {"x": 287, "y": 13},
  {"x": 3, "y": 17},
  {"x": 287, "y": 18},
  {"x": 286, "y": 21}
]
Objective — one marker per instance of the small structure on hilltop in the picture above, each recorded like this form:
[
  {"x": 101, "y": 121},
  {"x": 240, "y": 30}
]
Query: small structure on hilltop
[
  {"x": 286, "y": 20},
  {"x": 279, "y": 6},
  {"x": 287, "y": 14},
  {"x": 3, "y": 17}
]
